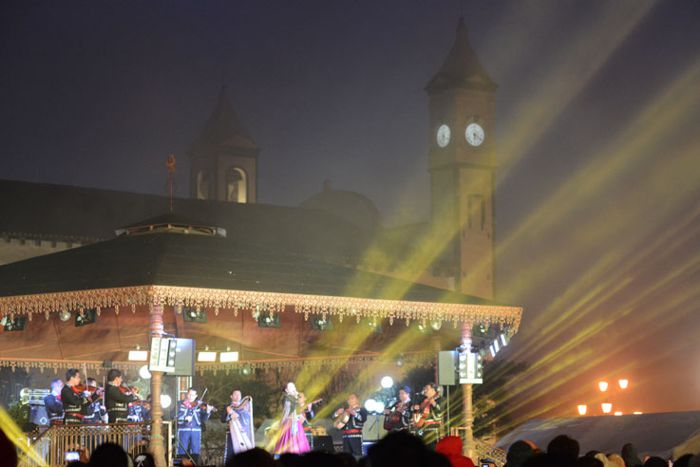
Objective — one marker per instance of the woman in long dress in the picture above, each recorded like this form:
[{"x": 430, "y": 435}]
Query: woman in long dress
[{"x": 292, "y": 438}]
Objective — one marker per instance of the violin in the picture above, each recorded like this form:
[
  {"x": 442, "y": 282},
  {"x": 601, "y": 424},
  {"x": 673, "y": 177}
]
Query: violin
[
  {"x": 204, "y": 406},
  {"x": 128, "y": 389},
  {"x": 79, "y": 388}
]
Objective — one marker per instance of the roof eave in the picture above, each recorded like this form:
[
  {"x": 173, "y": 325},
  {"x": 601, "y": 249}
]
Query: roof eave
[{"x": 223, "y": 299}]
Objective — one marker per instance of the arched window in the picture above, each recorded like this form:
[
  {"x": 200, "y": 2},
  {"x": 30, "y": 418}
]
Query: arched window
[
  {"x": 236, "y": 185},
  {"x": 202, "y": 184}
]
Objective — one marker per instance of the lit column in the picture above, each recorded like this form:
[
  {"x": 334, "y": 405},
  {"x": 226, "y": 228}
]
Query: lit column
[
  {"x": 467, "y": 397},
  {"x": 157, "y": 446}
]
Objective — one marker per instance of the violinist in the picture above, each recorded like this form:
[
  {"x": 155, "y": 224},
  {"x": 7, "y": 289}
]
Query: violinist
[
  {"x": 95, "y": 411},
  {"x": 191, "y": 415},
  {"x": 428, "y": 416},
  {"x": 350, "y": 420},
  {"x": 52, "y": 402},
  {"x": 74, "y": 397},
  {"x": 117, "y": 397}
]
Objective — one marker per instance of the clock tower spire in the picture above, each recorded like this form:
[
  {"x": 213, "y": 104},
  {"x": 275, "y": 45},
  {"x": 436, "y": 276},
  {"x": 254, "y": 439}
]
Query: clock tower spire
[{"x": 462, "y": 164}]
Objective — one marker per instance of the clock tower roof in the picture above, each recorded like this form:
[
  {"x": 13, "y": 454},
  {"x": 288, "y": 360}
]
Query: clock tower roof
[
  {"x": 223, "y": 131},
  {"x": 461, "y": 68}
]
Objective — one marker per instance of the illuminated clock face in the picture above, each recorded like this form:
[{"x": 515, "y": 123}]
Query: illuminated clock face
[
  {"x": 475, "y": 134},
  {"x": 443, "y": 136}
]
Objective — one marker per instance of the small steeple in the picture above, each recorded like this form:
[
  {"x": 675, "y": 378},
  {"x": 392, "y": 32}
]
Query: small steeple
[
  {"x": 223, "y": 131},
  {"x": 461, "y": 68}
]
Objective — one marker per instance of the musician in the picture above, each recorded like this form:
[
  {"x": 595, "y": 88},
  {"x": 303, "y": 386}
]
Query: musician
[
  {"x": 307, "y": 414},
  {"x": 238, "y": 417},
  {"x": 190, "y": 417},
  {"x": 429, "y": 415},
  {"x": 306, "y": 409},
  {"x": 53, "y": 404},
  {"x": 117, "y": 397},
  {"x": 398, "y": 416},
  {"x": 73, "y": 398},
  {"x": 356, "y": 416},
  {"x": 95, "y": 412}
]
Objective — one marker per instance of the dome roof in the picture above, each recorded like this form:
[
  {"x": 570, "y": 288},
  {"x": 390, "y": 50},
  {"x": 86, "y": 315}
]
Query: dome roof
[{"x": 349, "y": 206}]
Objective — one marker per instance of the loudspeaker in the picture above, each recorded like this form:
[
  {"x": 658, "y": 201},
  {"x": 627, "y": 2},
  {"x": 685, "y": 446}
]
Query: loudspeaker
[
  {"x": 184, "y": 358},
  {"x": 446, "y": 368},
  {"x": 322, "y": 443}
]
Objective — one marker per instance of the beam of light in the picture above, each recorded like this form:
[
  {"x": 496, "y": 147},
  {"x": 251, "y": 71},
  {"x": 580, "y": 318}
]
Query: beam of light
[
  {"x": 686, "y": 167},
  {"x": 574, "y": 313},
  {"x": 19, "y": 438},
  {"x": 641, "y": 324},
  {"x": 639, "y": 140},
  {"x": 578, "y": 62},
  {"x": 550, "y": 376},
  {"x": 658, "y": 248}
]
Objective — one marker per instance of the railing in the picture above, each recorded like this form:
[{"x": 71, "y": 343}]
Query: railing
[
  {"x": 482, "y": 450},
  {"x": 53, "y": 444}
]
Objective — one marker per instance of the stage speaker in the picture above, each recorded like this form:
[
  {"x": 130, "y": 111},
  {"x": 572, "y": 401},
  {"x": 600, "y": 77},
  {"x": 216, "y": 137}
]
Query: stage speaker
[
  {"x": 446, "y": 368},
  {"x": 322, "y": 443},
  {"x": 38, "y": 415},
  {"x": 184, "y": 358}
]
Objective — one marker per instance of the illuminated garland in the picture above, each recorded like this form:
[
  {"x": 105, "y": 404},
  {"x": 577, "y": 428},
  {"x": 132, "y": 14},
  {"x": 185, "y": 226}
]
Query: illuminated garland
[
  {"x": 326, "y": 362},
  {"x": 269, "y": 302}
]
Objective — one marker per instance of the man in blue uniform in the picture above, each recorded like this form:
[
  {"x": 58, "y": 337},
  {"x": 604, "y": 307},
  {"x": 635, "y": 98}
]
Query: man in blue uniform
[
  {"x": 190, "y": 418},
  {"x": 53, "y": 404}
]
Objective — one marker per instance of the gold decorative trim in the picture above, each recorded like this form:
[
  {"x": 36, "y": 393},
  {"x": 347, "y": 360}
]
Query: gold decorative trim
[
  {"x": 329, "y": 362},
  {"x": 266, "y": 302}
]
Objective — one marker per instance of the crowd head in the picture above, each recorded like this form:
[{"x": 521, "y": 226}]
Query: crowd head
[
  {"x": 563, "y": 451},
  {"x": 398, "y": 448}
]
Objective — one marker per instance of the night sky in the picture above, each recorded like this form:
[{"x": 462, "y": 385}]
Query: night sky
[{"x": 98, "y": 93}]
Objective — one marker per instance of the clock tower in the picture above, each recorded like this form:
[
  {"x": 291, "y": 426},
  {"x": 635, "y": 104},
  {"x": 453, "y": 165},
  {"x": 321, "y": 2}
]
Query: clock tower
[{"x": 462, "y": 163}]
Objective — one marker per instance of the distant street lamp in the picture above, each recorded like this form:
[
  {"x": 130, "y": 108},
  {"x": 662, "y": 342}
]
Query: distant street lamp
[
  {"x": 603, "y": 386},
  {"x": 623, "y": 383},
  {"x": 606, "y": 407},
  {"x": 582, "y": 409}
]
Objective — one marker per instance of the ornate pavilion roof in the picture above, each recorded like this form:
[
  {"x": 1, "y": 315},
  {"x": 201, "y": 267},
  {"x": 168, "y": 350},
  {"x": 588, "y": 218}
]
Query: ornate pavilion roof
[
  {"x": 230, "y": 278},
  {"x": 213, "y": 272}
]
